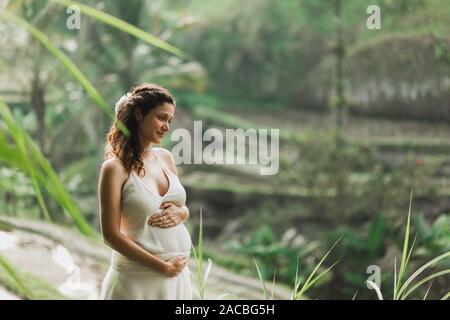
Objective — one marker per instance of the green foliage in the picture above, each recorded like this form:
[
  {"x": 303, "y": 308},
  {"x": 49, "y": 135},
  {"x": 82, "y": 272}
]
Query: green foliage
[
  {"x": 282, "y": 255},
  {"x": 359, "y": 249},
  {"x": 291, "y": 58},
  {"x": 26, "y": 286},
  {"x": 39, "y": 170},
  {"x": 124, "y": 26},
  {"x": 299, "y": 292},
  {"x": 42, "y": 175},
  {"x": 369, "y": 246},
  {"x": 201, "y": 274},
  {"x": 373, "y": 183},
  {"x": 434, "y": 239},
  {"x": 234, "y": 38},
  {"x": 403, "y": 288}
]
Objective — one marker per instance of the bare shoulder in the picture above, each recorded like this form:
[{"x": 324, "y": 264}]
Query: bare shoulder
[
  {"x": 113, "y": 168},
  {"x": 164, "y": 153},
  {"x": 167, "y": 157}
]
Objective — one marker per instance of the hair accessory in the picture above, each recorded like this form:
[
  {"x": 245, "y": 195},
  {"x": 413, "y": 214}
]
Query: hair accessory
[{"x": 122, "y": 102}]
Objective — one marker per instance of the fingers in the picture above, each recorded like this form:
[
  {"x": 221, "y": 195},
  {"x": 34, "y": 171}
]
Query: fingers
[
  {"x": 165, "y": 205},
  {"x": 178, "y": 264},
  {"x": 168, "y": 217},
  {"x": 159, "y": 217},
  {"x": 164, "y": 220},
  {"x": 164, "y": 223},
  {"x": 181, "y": 262}
]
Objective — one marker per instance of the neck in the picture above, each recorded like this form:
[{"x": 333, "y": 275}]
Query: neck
[
  {"x": 147, "y": 152},
  {"x": 146, "y": 147}
]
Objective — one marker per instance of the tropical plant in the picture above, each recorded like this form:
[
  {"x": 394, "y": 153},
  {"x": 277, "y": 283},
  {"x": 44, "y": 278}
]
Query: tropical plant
[
  {"x": 404, "y": 288},
  {"x": 21, "y": 157},
  {"x": 24, "y": 154},
  {"x": 299, "y": 292},
  {"x": 202, "y": 273},
  {"x": 271, "y": 253}
]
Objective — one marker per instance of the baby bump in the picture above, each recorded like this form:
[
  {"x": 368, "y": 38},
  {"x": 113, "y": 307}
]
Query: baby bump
[{"x": 166, "y": 240}]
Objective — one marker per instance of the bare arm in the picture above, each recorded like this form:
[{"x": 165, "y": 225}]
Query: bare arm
[{"x": 112, "y": 176}]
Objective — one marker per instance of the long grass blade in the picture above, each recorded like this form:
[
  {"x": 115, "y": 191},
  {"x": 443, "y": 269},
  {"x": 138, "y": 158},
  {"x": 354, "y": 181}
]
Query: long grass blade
[
  {"x": 15, "y": 276},
  {"x": 306, "y": 285},
  {"x": 296, "y": 281},
  {"x": 314, "y": 280},
  {"x": 405, "y": 249},
  {"x": 428, "y": 291},
  {"x": 126, "y": 27},
  {"x": 395, "y": 278},
  {"x": 421, "y": 269},
  {"x": 208, "y": 270},
  {"x": 223, "y": 295},
  {"x": 261, "y": 279},
  {"x": 48, "y": 177},
  {"x": 68, "y": 64},
  {"x": 430, "y": 277},
  {"x": 198, "y": 254},
  {"x": 19, "y": 137},
  {"x": 273, "y": 284},
  {"x": 411, "y": 250},
  {"x": 376, "y": 288}
]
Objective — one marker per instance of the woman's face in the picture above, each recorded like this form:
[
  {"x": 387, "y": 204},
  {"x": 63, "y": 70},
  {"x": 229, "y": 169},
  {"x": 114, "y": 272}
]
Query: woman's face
[{"x": 156, "y": 124}]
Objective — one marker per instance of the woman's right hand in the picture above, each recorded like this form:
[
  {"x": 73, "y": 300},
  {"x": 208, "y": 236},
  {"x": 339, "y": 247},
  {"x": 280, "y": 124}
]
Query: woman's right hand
[{"x": 175, "y": 265}]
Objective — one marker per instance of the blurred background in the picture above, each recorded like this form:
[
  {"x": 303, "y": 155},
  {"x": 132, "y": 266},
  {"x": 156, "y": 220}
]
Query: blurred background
[{"x": 363, "y": 116}]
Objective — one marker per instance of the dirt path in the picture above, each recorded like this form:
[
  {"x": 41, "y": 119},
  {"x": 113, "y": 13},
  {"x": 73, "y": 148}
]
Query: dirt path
[{"x": 77, "y": 265}]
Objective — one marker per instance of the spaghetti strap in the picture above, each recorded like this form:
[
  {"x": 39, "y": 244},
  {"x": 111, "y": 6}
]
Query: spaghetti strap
[
  {"x": 162, "y": 163},
  {"x": 159, "y": 159}
]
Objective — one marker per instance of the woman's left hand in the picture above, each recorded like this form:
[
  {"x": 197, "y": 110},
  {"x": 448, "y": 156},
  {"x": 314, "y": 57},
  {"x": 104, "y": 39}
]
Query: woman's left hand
[{"x": 170, "y": 216}]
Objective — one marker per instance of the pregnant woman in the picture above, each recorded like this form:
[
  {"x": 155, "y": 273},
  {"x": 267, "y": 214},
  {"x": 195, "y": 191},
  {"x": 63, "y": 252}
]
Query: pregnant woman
[{"x": 142, "y": 203}]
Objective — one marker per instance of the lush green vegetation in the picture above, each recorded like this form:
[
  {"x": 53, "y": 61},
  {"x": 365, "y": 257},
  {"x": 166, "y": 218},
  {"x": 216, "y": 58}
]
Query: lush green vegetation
[{"x": 363, "y": 117}]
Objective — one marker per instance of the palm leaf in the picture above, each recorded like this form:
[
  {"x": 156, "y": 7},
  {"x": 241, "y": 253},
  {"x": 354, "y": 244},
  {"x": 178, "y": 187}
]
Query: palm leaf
[
  {"x": 40, "y": 169},
  {"x": 126, "y": 27},
  {"x": 68, "y": 64},
  {"x": 19, "y": 137}
]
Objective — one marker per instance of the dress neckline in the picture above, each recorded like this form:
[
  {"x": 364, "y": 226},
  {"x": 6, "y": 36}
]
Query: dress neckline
[{"x": 156, "y": 193}]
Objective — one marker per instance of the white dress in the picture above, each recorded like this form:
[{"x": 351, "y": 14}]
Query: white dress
[{"x": 127, "y": 279}]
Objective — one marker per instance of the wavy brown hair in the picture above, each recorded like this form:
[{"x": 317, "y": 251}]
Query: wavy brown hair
[{"x": 127, "y": 148}]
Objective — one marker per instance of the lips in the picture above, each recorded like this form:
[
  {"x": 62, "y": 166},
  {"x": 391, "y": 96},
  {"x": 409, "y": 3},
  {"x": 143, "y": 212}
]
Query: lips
[{"x": 160, "y": 134}]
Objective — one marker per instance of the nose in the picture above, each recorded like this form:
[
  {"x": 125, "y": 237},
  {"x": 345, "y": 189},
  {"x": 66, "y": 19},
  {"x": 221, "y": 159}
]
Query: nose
[{"x": 165, "y": 128}]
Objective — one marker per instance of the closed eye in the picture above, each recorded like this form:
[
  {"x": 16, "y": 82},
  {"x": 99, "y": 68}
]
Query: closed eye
[{"x": 164, "y": 118}]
